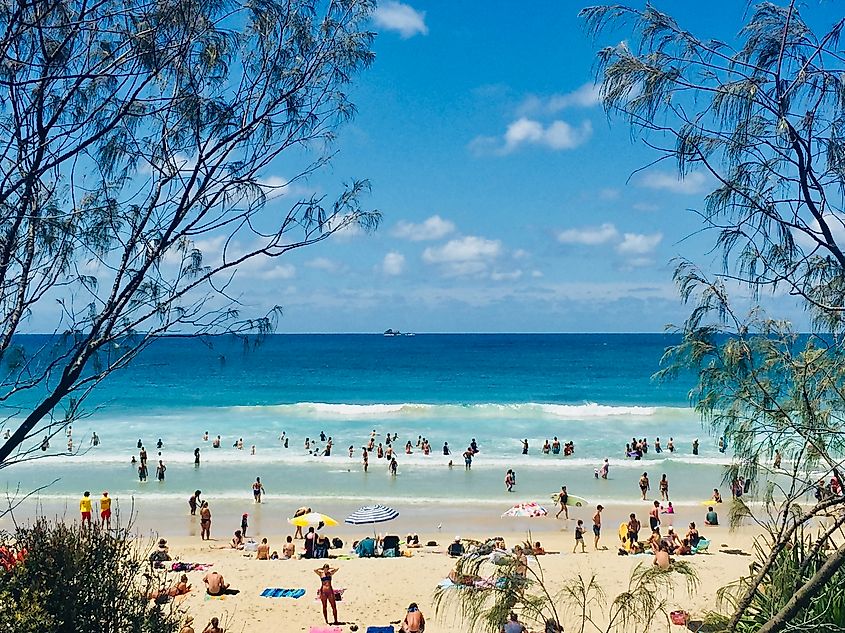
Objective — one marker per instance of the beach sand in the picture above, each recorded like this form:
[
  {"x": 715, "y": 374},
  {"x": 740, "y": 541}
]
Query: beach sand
[{"x": 378, "y": 591}]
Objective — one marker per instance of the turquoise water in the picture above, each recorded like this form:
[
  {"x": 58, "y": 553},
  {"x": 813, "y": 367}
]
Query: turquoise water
[{"x": 595, "y": 390}]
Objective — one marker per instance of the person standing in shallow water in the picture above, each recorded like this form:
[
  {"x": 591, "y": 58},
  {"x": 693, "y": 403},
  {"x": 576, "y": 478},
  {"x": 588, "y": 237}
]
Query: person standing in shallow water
[
  {"x": 366, "y": 459},
  {"x": 160, "y": 469},
  {"x": 257, "y": 490},
  {"x": 196, "y": 457}
]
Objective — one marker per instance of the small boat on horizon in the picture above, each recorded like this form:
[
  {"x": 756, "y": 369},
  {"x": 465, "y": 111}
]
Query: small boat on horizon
[{"x": 390, "y": 332}]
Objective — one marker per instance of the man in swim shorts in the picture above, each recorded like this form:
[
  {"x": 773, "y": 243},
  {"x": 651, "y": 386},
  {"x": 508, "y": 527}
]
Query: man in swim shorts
[{"x": 597, "y": 526}]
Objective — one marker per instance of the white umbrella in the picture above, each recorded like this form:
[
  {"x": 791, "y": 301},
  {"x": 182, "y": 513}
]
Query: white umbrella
[{"x": 372, "y": 514}]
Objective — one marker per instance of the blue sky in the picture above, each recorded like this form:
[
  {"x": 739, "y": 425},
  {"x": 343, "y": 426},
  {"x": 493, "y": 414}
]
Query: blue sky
[{"x": 509, "y": 201}]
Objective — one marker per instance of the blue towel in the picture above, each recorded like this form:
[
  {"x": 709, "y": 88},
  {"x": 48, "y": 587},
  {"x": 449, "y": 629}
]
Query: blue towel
[{"x": 381, "y": 629}]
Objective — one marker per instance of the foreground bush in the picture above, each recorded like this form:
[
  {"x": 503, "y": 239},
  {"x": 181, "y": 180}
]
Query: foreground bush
[{"x": 74, "y": 580}]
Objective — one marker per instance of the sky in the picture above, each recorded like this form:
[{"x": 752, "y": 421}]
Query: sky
[{"x": 510, "y": 202}]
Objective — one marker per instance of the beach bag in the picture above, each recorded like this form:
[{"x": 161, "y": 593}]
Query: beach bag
[
  {"x": 680, "y": 618},
  {"x": 251, "y": 546}
]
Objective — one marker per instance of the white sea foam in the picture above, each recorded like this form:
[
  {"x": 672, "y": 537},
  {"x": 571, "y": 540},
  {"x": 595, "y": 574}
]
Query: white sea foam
[{"x": 531, "y": 410}]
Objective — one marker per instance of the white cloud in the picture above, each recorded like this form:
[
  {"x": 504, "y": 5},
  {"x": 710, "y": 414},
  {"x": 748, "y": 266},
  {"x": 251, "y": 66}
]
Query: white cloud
[
  {"x": 506, "y": 276},
  {"x": 402, "y": 18},
  {"x": 324, "y": 264},
  {"x": 586, "y": 96},
  {"x": 639, "y": 243},
  {"x": 393, "y": 264},
  {"x": 469, "y": 248},
  {"x": 433, "y": 228},
  {"x": 693, "y": 183},
  {"x": 520, "y": 254},
  {"x": 557, "y": 135},
  {"x": 609, "y": 194},
  {"x": 536, "y": 274},
  {"x": 468, "y": 255},
  {"x": 279, "y": 271},
  {"x": 589, "y": 236}
]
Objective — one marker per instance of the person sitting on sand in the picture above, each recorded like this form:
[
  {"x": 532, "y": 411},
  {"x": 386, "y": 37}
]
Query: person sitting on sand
[
  {"x": 521, "y": 564},
  {"x": 187, "y": 627},
  {"x": 717, "y": 496},
  {"x": 661, "y": 558},
  {"x": 538, "y": 550},
  {"x": 327, "y": 595},
  {"x": 412, "y": 540},
  {"x": 464, "y": 580},
  {"x": 214, "y": 584},
  {"x": 671, "y": 540},
  {"x": 684, "y": 548},
  {"x": 179, "y": 588},
  {"x": 161, "y": 553},
  {"x": 654, "y": 541},
  {"x": 414, "y": 621},
  {"x": 237, "y": 541},
  {"x": 289, "y": 549},
  {"x": 263, "y": 551},
  {"x": 513, "y": 625},
  {"x": 213, "y": 627},
  {"x": 711, "y": 518},
  {"x": 456, "y": 548},
  {"x": 692, "y": 535}
]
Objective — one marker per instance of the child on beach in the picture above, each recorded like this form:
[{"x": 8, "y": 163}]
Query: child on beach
[
  {"x": 579, "y": 537},
  {"x": 244, "y": 523}
]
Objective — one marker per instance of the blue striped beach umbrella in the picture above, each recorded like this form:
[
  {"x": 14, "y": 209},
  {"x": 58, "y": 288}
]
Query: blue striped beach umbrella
[{"x": 372, "y": 514}]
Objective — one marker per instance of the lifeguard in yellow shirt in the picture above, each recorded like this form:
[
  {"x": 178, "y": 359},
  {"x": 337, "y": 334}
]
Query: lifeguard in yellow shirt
[
  {"x": 105, "y": 510},
  {"x": 85, "y": 508}
]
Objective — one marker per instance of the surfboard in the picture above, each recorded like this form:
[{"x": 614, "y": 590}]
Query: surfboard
[
  {"x": 572, "y": 500},
  {"x": 623, "y": 533}
]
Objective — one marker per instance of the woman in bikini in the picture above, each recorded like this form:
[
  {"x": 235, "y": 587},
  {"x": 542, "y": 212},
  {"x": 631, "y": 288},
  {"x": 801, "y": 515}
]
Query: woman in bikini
[
  {"x": 327, "y": 591},
  {"x": 205, "y": 521}
]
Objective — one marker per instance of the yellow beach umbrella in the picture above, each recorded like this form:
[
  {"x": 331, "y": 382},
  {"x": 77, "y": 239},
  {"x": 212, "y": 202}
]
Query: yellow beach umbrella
[{"x": 312, "y": 518}]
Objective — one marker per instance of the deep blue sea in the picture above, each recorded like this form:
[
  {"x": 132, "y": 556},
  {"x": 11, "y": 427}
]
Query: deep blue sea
[{"x": 593, "y": 389}]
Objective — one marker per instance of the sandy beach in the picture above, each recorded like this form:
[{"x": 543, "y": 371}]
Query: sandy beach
[{"x": 379, "y": 590}]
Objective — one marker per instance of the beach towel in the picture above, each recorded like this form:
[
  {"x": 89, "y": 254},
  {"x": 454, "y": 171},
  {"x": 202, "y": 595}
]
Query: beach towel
[
  {"x": 278, "y": 592},
  {"x": 181, "y": 566},
  {"x": 381, "y": 629},
  {"x": 210, "y": 597},
  {"x": 325, "y": 629}
]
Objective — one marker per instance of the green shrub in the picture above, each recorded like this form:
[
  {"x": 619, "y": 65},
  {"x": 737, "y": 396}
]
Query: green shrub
[{"x": 78, "y": 581}]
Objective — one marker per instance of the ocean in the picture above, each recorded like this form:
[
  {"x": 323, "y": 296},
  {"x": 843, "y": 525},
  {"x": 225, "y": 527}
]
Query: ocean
[{"x": 595, "y": 390}]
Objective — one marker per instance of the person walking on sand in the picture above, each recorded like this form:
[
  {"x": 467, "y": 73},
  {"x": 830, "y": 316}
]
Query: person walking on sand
[
  {"x": 85, "y": 508},
  {"x": 664, "y": 488},
  {"x": 597, "y": 526},
  {"x": 579, "y": 537},
  {"x": 298, "y": 513},
  {"x": 327, "y": 591},
  {"x": 562, "y": 498},
  {"x": 205, "y": 521},
  {"x": 644, "y": 485},
  {"x": 654, "y": 516},
  {"x": 257, "y": 490}
]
